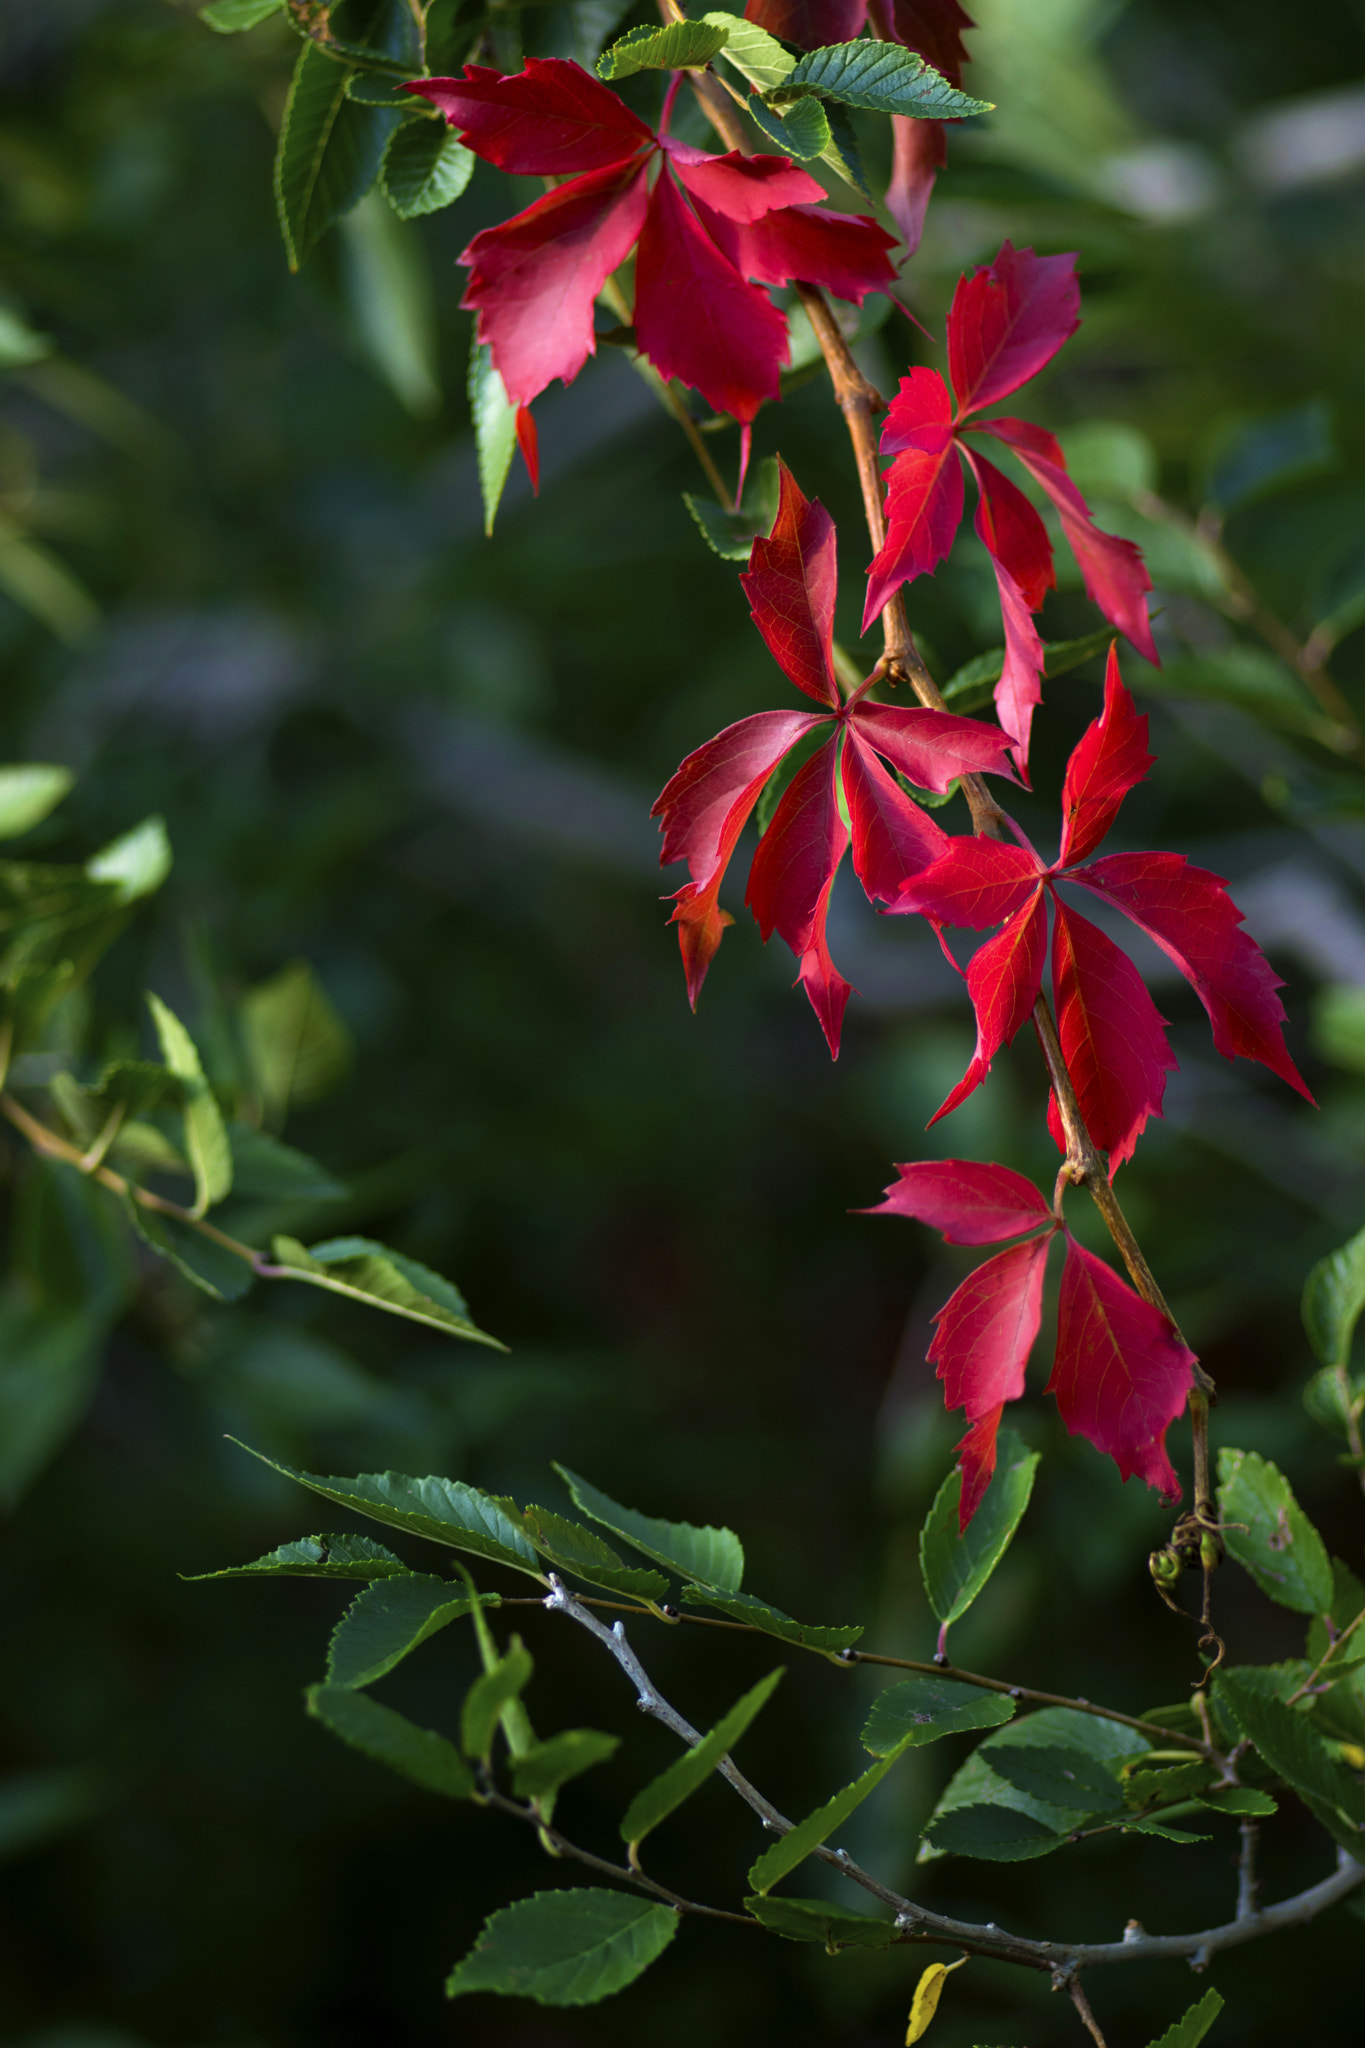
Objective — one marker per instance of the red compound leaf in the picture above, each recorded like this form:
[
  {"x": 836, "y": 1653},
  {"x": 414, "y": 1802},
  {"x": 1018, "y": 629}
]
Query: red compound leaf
[
  {"x": 1121, "y": 1373},
  {"x": 1007, "y": 322},
  {"x": 924, "y": 497},
  {"x": 541, "y": 122},
  {"x": 977, "y": 883},
  {"x": 1109, "y": 759},
  {"x": 791, "y": 584},
  {"x": 1113, "y": 1037},
  {"x": 1003, "y": 981},
  {"x": 969, "y": 1201},
  {"x": 892, "y": 836},
  {"x": 984, "y": 1333}
]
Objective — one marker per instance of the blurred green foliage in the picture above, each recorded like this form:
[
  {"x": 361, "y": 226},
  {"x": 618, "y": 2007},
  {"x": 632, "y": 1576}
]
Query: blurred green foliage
[{"x": 244, "y": 587}]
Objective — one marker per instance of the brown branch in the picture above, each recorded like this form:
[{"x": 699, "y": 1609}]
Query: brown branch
[
  {"x": 560, "y": 1845},
  {"x": 1082, "y": 2005}
]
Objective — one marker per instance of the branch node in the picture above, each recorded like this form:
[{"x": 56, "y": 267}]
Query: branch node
[{"x": 1199, "y": 1961}]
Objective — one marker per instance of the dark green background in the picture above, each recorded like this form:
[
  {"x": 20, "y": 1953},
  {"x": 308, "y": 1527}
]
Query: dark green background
[{"x": 423, "y": 761}]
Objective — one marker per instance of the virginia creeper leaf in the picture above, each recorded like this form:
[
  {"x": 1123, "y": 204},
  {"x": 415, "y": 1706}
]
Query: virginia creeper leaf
[
  {"x": 892, "y": 837},
  {"x": 977, "y": 883},
  {"x": 687, "y": 1773},
  {"x": 791, "y": 585},
  {"x": 570, "y": 1947},
  {"x": 1108, "y": 760},
  {"x": 967, "y": 1200},
  {"x": 546, "y": 121},
  {"x": 809, "y": 23},
  {"x": 1003, "y": 981},
  {"x": 1112, "y": 1035},
  {"x": 1121, "y": 1372},
  {"x": 1007, "y": 321},
  {"x": 982, "y": 1338},
  {"x": 925, "y": 498}
]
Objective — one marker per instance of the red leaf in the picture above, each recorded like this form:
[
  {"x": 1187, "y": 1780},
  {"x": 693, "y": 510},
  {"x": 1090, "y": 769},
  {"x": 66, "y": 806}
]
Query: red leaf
[
  {"x": 742, "y": 189},
  {"x": 791, "y": 584},
  {"x": 810, "y": 24},
  {"x": 1108, "y": 760},
  {"x": 545, "y": 120},
  {"x": 1007, "y": 321},
  {"x": 976, "y": 1462},
  {"x": 1012, "y": 531},
  {"x": 967, "y": 1200},
  {"x": 932, "y": 29},
  {"x": 535, "y": 278},
  {"x": 1195, "y": 922},
  {"x": 1121, "y": 1373},
  {"x": 844, "y": 252},
  {"x": 984, "y": 1334},
  {"x": 528, "y": 440},
  {"x": 1019, "y": 691},
  {"x": 1113, "y": 1037},
  {"x": 892, "y": 837},
  {"x": 976, "y": 883},
  {"x": 919, "y": 151},
  {"x": 931, "y": 748},
  {"x": 821, "y": 979},
  {"x": 697, "y": 319},
  {"x": 1003, "y": 981},
  {"x": 924, "y": 495},
  {"x": 790, "y": 881},
  {"x": 1113, "y": 571}
]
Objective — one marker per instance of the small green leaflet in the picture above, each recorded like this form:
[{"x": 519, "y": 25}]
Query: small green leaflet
[
  {"x": 882, "y": 77},
  {"x": 682, "y": 46},
  {"x": 318, "y": 1557},
  {"x": 547, "y": 1765},
  {"x": 1169, "y": 1781},
  {"x": 389, "y": 1619},
  {"x": 793, "y": 1848},
  {"x": 441, "y": 1510},
  {"x": 955, "y": 1568},
  {"x": 210, "y": 1267},
  {"x": 814, "y": 1920},
  {"x": 761, "y": 59},
  {"x": 919, "y": 1710},
  {"x": 1190, "y": 2031},
  {"x": 28, "y": 792},
  {"x": 974, "y": 682},
  {"x": 206, "y": 1138},
  {"x": 426, "y": 167},
  {"x": 1293, "y": 1748},
  {"x": 495, "y": 427},
  {"x": 489, "y": 1694},
  {"x": 755, "y": 54},
  {"x": 416, "y": 1753},
  {"x": 976, "y": 1785},
  {"x": 569, "y": 1947},
  {"x": 1242, "y": 1800},
  {"x": 1333, "y": 1298},
  {"x": 994, "y": 1833},
  {"x": 297, "y": 1047},
  {"x": 229, "y": 17},
  {"x": 134, "y": 865},
  {"x": 758, "y": 1614},
  {"x": 384, "y": 36},
  {"x": 1267, "y": 1532},
  {"x": 269, "y": 1171},
  {"x": 683, "y": 1777},
  {"x": 370, "y": 1272},
  {"x": 800, "y": 131},
  {"x": 1059, "y": 1777},
  {"x": 576, "y": 1549},
  {"x": 711, "y": 1557},
  {"x": 731, "y": 535},
  {"x": 329, "y": 152}
]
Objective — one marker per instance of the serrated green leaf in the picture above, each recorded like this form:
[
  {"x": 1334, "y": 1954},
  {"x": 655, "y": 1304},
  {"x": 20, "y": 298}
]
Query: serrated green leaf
[
  {"x": 206, "y": 1138},
  {"x": 1268, "y": 1533},
  {"x": 1159, "y": 1828},
  {"x": 974, "y": 683},
  {"x": 49, "y": 1368},
  {"x": 801, "y": 130},
  {"x": 570, "y": 1947},
  {"x": 1335, "y": 1398},
  {"x": 687, "y": 1773},
  {"x": 581, "y": 1551},
  {"x": 794, "y": 1847},
  {"x": 365, "y": 1271},
  {"x": 955, "y": 1567},
  {"x": 296, "y": 1045},
  {"x": 682, "y": 46},
  {"x": 439, "y": 1510},
  {"x": 329, "y": 153},
  {"x": 1294, "y": 1749},
  {"x": 390, "y": 1619},
  {"x": 28, "y": 792},
  {"x": 230, "y": 17},
  {"x": 1242, "y": 1800},
  {"x": 994, "y": 1833},
  {"x": 1165, "y": 1783},
  {"x": 920, "y": 1710},
  {"x": 489, "y": 1694},
  {"x": 711, "y": 1557},
  {"x": 976, "y": 1784},
  {"x": 547, "y": 1765},
  {"x": 881, "y": 77},
  {"x": 317, "y": 1557},
  {"x": 209, "y": 1266},
  {"x": 731, "y": 535},
  {"x": 385, "y": 36},
  {"x": 419, "y": 1754},
  {"x": 843, "y": 155},
  {"x": 426, "y": 167},
  {"x": 495, "y": 427},
  {"x": 1059, "y": 1777},
  {"x": 814, "y": 1920},
  {"x": 269, "y": 1171},
  {"x": 746, "y": 1607},
  {"x": 755, "y": 54},
  {"x": 135, "y": 864},
  {"x": 1190, "y": 2031},
  {"x": 1333, "y": 1298}
]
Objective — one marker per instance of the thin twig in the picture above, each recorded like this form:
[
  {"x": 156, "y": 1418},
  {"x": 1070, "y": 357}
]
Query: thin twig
[
  {"x": 1082, "y": 2005},
  {"x": 622, "y": 1872},
  {"x": 1248, "y": 1890}
]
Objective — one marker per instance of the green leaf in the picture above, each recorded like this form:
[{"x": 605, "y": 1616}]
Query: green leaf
[
  {"x": 1165, "y": 1833},
  {"x": 772, "y": 1621},
  {"x": 842, "y": 155},
  {"x": 31, "y": 993},
  {"x": 38, "y": 1807},
  {"x": 731, "y": 535},
  {"x": 814, "y": 1920},
  {"x": 1294, "y": 1749},
  {"x": 794, "y": 1847},
  {"x": 49, "y": 1369},
  {"x": 711, "y": 1557},
  {"x": 974, "y": 683},
  {"x": 1254, "y": 458},
  {"x": 1242, "y": 1800},
  {"x": 801, "y": 131},
  {"x": 415, "y": 1753},
  {"x": 570, "y": 1947},
  {"x": 297, "y": 1047},
  {"x": 133, "y": 1086},
  {"x": 365, "y": 1271},
  {"x": 1333, "y": 1298},
  {"x": 426, "y": 167},
  {"x": 317, "y": 1557},
  {"x": 209, "y": 1266},
  {"x": 489, "y": 1694},
  {"x": 580, "y": 1551},
  {"x": 387, "y": 283},
  {"x": 755, "y": 54},
  {"x": 1190, "y": 2031},
  {"x": 206, "y": 1138},
  {"x": 919, "y": 1710},
  {"x": 956, "y": 1567},
  {"x": 1339, "y": 1035},
  {"x": 329, "y": 153},
  {"x": 230, "y": 17},
  {"x": 269, "y": 1171},
  {"x": 1059, "y": 1777},
  {"x": 691, "y": 1770},
  {"x": 1253, "y": 679},
  {"x": 994, "y": 1833},
  {"x": 682, "y": 46},
  {"x": 495, "y": 426},
  {"x": 1268, "y": 1533},
  {"x": 976, "y": 1784},
  {"x": 71, "y": 1251},
  {"x": 882, "y": 77},
  {"x": 390, "y": 1619},
  {"x": 1332, "y": 1404},
  {"x": 134, "y": 865},
  {"x": 28, "y": 793},
  {"x": 547, "y": 1765},
  {"x": 1165, "y": 1783},
  {"x": 440, "y": 1510},
  {"x": 384, "y": 36}
]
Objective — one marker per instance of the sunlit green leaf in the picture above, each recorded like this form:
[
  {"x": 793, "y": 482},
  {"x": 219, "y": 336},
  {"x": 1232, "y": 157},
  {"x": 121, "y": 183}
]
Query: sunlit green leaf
[
  {"x": 365, "y": 1271},
  {"x": 489, "y": 1695},
  {"x": 136, "y": 864},
  {"x": 1268, "y": 1533},
  {"x": 296, "y": 1045},
  {"x": 495, "y": 427},
  {"x": 229, "y": 17},
  {"x": 711, "y": 1557},
  {"x": 27, "y": 793},
  {"x": 426, "y": 167},
  {"x": 801, "y": 130},
  {"x": 568, "y": 1947},
  {"x": 318, "y": 1557},
  {"x": 956, "y": 1567},
  {"x": 206, "y": 1138},
  {"x": 687, "y": 1773},
  {"x": 884, "y": 78},
  {"x": 681, "y": 46}
]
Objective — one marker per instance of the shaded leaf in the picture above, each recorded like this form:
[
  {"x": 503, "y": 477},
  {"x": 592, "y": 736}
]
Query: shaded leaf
[
  {"x": 329, "y": 152},
  {"x": 1242, "y": 1800},
  {"x": 996, "y": 1833},
  {"x": 365, "y": 1271},
  {"x": 755, "y": 54},
  {"x": 318, "y": 1557},
  {"x": 1059, "y": 1777},
  {"x": 422, "y": 1756},
  {"x": 691, "y": 1770},
  {"x": 426, "y": 167},
  {"x": 772, "y": 1621},
  {"x": 920, "y": 1710},
  {"x": 229, "y": 17},
  {"x": 296, "y": 1045},
  {"x": 1190, "y": 2031},
  {"x": 1268, "y": 1533},
  {"x": 49, "y": 1369},
  {"x": 206, "y": 1138},
  {"x": 1254, "y": 458},
  {"x": 28, "y": 792},
  {"x": 271, "y": 1171},
  {"x": 975, "y": 1784},
  {"x": 681, "y": 46},
  {"x": 955, "y": 1567},
  {"x": 40, "y": 1806},
  {"x": 390, "y": 1619},
  {"x": 800, "y": 131},
  {"x": 972, "y": 685},
  {"x": 576, "y": 1549},
  {"x": 1333, "y": 1298},
  {"x": 711, "y": 1557},
  {"x": 569, "y": 1947},
  {"x": 207, "y": 1265},
  {"x": 815, "y": 1920},
  {"x": 731, "y": 535},
  {"x": 547, "y": 1765},
  {"x": 794, "y": 1847},
  {"x": 490, "y": 1693},
  {"x": 1294, "y": 1749}
]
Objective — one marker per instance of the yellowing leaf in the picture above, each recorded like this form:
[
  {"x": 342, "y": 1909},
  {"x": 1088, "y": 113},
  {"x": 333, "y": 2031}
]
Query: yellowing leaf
[{"x": 927, "y": 1994}]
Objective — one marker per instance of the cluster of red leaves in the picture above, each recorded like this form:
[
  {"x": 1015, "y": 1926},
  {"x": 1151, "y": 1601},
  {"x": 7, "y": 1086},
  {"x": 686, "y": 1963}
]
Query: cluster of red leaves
[
  {"x": 1112, "y": 1036},
  {"x": 791, "y": 586},
  {"x": 933, "y": 30},
  {"x": 1120, "y": 1372},
  {"x": 1005, "y": 324},
  {"x": 708, "y": 237}
]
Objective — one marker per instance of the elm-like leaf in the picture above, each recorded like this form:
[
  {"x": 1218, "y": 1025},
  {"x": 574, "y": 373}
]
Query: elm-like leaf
[
  {"x": 572, "y": 1548},
  {"x": 801, "y": 131},
  {"x": 547, "y": 1765},
  {"x": 1333, "y": 1297},
  {"x": 710, "y": 1556},
  {"x": 1121, "y": 1372},
  {"x": 391, "y": 1618},
  {"x": 920, "y": 1710},
  {"x": 1269, "y": 1534},
  {"x": 687, "y": 1773},
  {"x": 982, "y": 1338},
  {"x": 1007, "y": 321},
  {"x": 924, "y": 496},
  {"x": 206, "y": 1138},
  {"x": 756, "y": 1613},
  {"x": 319, "y": 1557},
  {"x": 495, "y": 426},
  {"x": 1068, "y": 1778},
  {"x": 329, "y": 151},
  {"x": 1190, "y": 2031},
  {"x": 681, "y": 46},
  {"x": 569, "y": 1947},
  {"x": 1297, "y": 1753},
  {"x": 794, "y": 1847},
  {"x": 1113, "y": 1036},
  {"x": 492, "y": 1691},
  {"x": 815, "y": 1920},
  {"x": 425, "y": 168},
  {"x": 880, "y": 77},
  {"x": 791, "y": 584},
  {"x": 545, "y": 121},
  {"x": 956, "y": 1562},
  {"x": 969, "y": 1201},
  {"x": 1108, "y": 760},
  {"x": 970, "y": 686},
  {"x": 418, "y": 1754},
  {"x": 365, "y": 1271}
]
